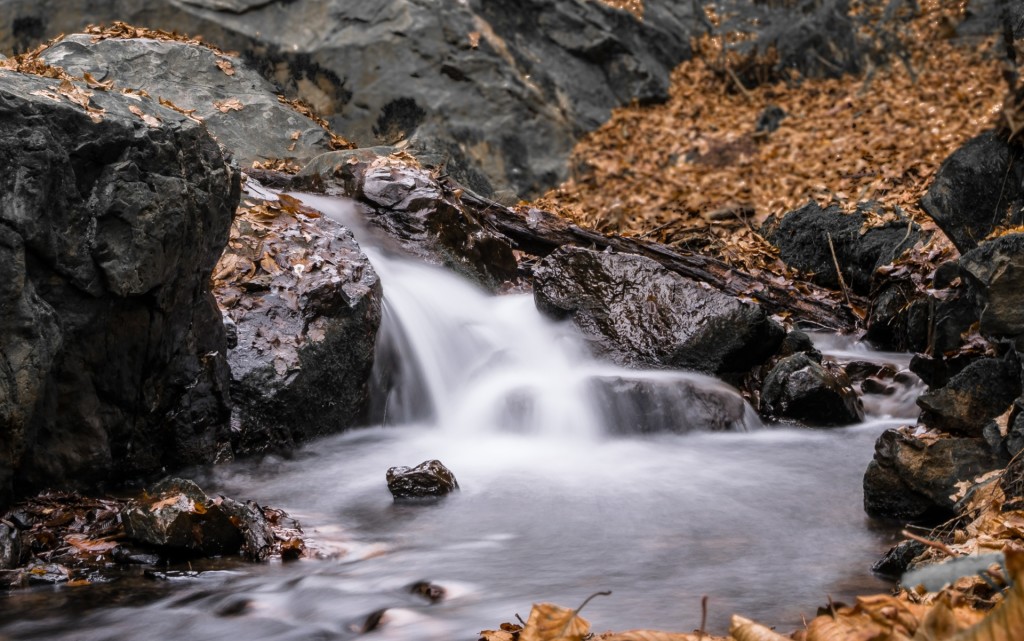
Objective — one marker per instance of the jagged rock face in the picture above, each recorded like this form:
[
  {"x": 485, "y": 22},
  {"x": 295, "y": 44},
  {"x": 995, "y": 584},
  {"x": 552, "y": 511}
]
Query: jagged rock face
[
  {"x": 995, "y": 272},
  {"x": 980, "y": 186},
  {"x": 111, "y": 347},
  {"x": 982, "y": 391},
  {"x": 806, "y": 237},
  {"x": 637, "y": 313},
  {"x": 411, "y": 208},
  {"x": 503, "y": 88},
  {"x": 914, "y": 478},
  {"x": 188, "y": 76},
  {"x": 303, "y": 305},
  {"x": 803, "y": 388}
]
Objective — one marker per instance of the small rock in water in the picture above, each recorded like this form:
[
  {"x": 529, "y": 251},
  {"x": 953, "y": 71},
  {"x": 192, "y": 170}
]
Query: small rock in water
[
  {"x": 799, "y": 387},
  {"x": 427, "y": 480},
  {"x": 429, "y": 591},
  {"x": 181, "y": 517}
]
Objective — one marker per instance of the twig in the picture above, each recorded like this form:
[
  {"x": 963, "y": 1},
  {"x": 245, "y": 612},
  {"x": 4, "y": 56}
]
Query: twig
[
  {"x": 842, "y": 282},
  {"x": 739, "y": 83},
  {"x": 938, "y": 545},
  {"x": 703, "y": 617},
  {"x": 656, "y": 229}
]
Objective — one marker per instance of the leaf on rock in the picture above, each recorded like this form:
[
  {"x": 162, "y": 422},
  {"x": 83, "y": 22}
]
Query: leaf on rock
[
  {"x": 146, "y": 118},
  {"x": 102, "y": 85},
  {"x": 550, "y": 622},
  {"x": 225, "y": 65},
  {"x": 232, "y": 104}
]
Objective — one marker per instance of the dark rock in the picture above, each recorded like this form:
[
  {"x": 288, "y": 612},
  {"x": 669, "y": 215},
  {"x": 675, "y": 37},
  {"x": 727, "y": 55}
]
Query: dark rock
[
  {"x": 111, "y": 347},
  {"x": 429, "y": 591},
  {"x": 899, "y": 317},
  {"x": 898, "y": 559},
  {"x": 10, "y": 547},
  {"x": 257, "y": 534},
  {"x": 936, "y": 372},
  {"x": 411, "y": 207},
  {"x": 188, "y": 76},
  {"x": 980, "y": 186},
  {"x": 914, "y": 479},
  {"x": 1012, "y": 485},
  {"x": 306, "y": 305},
  {"x": 797, "y": 342},
  {"x": 995, "y": 272},
  {"x": 503, "y": 88},
  {"x": 131, "y": 555},
  {"x": 650, "y": 404},
  {"x": 803, "y": 236},
  {"x": 635, "y": 312},
  {"x": 179, "y": 517},
  {"x": 429, "y": 479},
  {"x": 1014, "y": 440},
  {"x": 801, "y": 388},
  {"x": 770, "y": 118},
  {"x": 982, "y": 391}
]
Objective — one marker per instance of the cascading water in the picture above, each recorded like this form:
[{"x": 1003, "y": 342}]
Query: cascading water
[{"x": 560, "y": 497}]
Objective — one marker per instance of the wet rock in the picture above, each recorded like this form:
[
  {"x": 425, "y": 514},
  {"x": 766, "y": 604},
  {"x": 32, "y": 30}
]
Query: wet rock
[
  {"x": 899, "y": 558},
  {"x": 111, "y": 347},
  {"x": 914, "y": 478},
  {"x": 802, "y": 237},
  {"x": 652, "y": 404},
  {"x": 430, "y": 591},
  {"x": 980, "y": 186},
  {"x": 258, "y": 536},
  {"x": 995, "y": 272},
  {"x": 797, "y": 342},
  {"x": 637, "y": 313},
  {"x": 429, "y": 479},
  {"x": 899, "y": 317},
  {"x": 504, "y": 89},
  {"x": 770, "y": 119},
  {"x": 410, "y": 207},
  {"x": 306, "y": 305},
  {"x": 10, "y": 546},
  {"x": 179, "y": 517},
  {"x": 982, "y": 391},
  {"x": 936, "y": 372},
  {"x": 190, "y": 76},
  {"x": 819, "y": 393}
]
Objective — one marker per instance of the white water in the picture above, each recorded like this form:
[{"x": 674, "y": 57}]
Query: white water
[{"x": 766, "y": 522}]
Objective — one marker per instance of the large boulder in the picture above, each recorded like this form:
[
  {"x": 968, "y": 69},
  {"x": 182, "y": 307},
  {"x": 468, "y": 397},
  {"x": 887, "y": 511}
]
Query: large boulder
[
  {"x": 112, "y": 351},
  {"x": 914, "y": 478},
  {"x": 804, "y": 388},
  {"x": 980, "y": 186},
  {"x": 406, "y": 204},
  {"x": 995, "y": 273},
  {"x": 982, "y": 391},
  {"x": 503, "y": 88},
  {"x": 637, "y": 313},
  {"x": 806, "y": 238},
  {"x": 238, "y": 106},
  {"x": 303, "y": 305}
]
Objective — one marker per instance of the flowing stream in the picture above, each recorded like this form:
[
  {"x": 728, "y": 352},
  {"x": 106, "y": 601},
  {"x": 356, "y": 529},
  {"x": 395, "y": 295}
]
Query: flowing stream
[{"x": 570, "y": 485}]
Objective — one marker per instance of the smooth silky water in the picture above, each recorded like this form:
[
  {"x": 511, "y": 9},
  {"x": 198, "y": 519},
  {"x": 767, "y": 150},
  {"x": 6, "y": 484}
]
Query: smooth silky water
[{"x": 561, "y": 497}]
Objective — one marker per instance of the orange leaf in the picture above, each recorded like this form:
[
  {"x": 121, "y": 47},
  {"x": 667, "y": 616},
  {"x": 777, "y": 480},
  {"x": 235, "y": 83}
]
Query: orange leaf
[{"x": 233, "y": 104}]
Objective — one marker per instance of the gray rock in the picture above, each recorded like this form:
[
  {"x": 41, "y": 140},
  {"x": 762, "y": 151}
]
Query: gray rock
[
  {"x": 111, "y": 347},
  {"x": 637, "y": 313},
  {"x": 995, "y": 272},
  {"x": 305, "y": 304},
  {"x": 980, "y": 186},
  {"x": 802, "y": 388},
  {"x": 188, "y": 76},
  {"x": 179, "y": 517},
  {"x": 671, "y": 404},
  {"x": 407, "y": 204},
  {"x": 914, "y": 479},
  {"x": 10, "y": 547},
  {"x": 802, "y": 237},
  {"x": 502, "y": 88},
  {"x": 429, "y": 479},
  {"x": 982, "y": 391}
]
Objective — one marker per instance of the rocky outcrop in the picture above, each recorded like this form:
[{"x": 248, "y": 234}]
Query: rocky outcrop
[
  {"x": 980, "y": 186},
  {"x": 303, "y": 305},
  {"x": 635, "y": 312},
  {"x": 914, "y": 478},
  {"x": 995, "y": 274},
  {"x": 805, "y": 388},
  {"x": 429, "y": 479},
  {"x": 112, "y": 356},
  {"x": 238, "y": 106},
  {"x": 806, "y": 238},
  {"x": 407, "y": 205},
  {"x": 502, "y": 88},
  {"x": 982, "y": 391}
]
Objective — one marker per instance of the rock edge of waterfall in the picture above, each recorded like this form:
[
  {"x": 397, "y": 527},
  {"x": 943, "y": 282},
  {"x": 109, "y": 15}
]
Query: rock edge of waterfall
[{"x": 160, "y": 311}]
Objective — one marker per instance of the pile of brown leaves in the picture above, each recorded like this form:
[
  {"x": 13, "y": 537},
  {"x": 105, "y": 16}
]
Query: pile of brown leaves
[
  {"x": 636, "y": 7},
  {"x": 696, "y": 172}
]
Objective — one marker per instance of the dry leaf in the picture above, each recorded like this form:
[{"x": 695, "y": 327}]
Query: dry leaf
[
  {"x": 549, "y": 622},
  {"x": 85, "y": 544},
  {"x": 651, "y": 635},
  {"x": 232, "y": 104},
  {"x": 746, "y": 630},
  {"x": 225, "y": 65},
  {"x": 474, "y": 39},
  {"x": 172, "y": 500},
  {"x": 1006, "y": 622},
  {"x": 105, "y": 85},
  {"x": 146, "y": 118}
]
